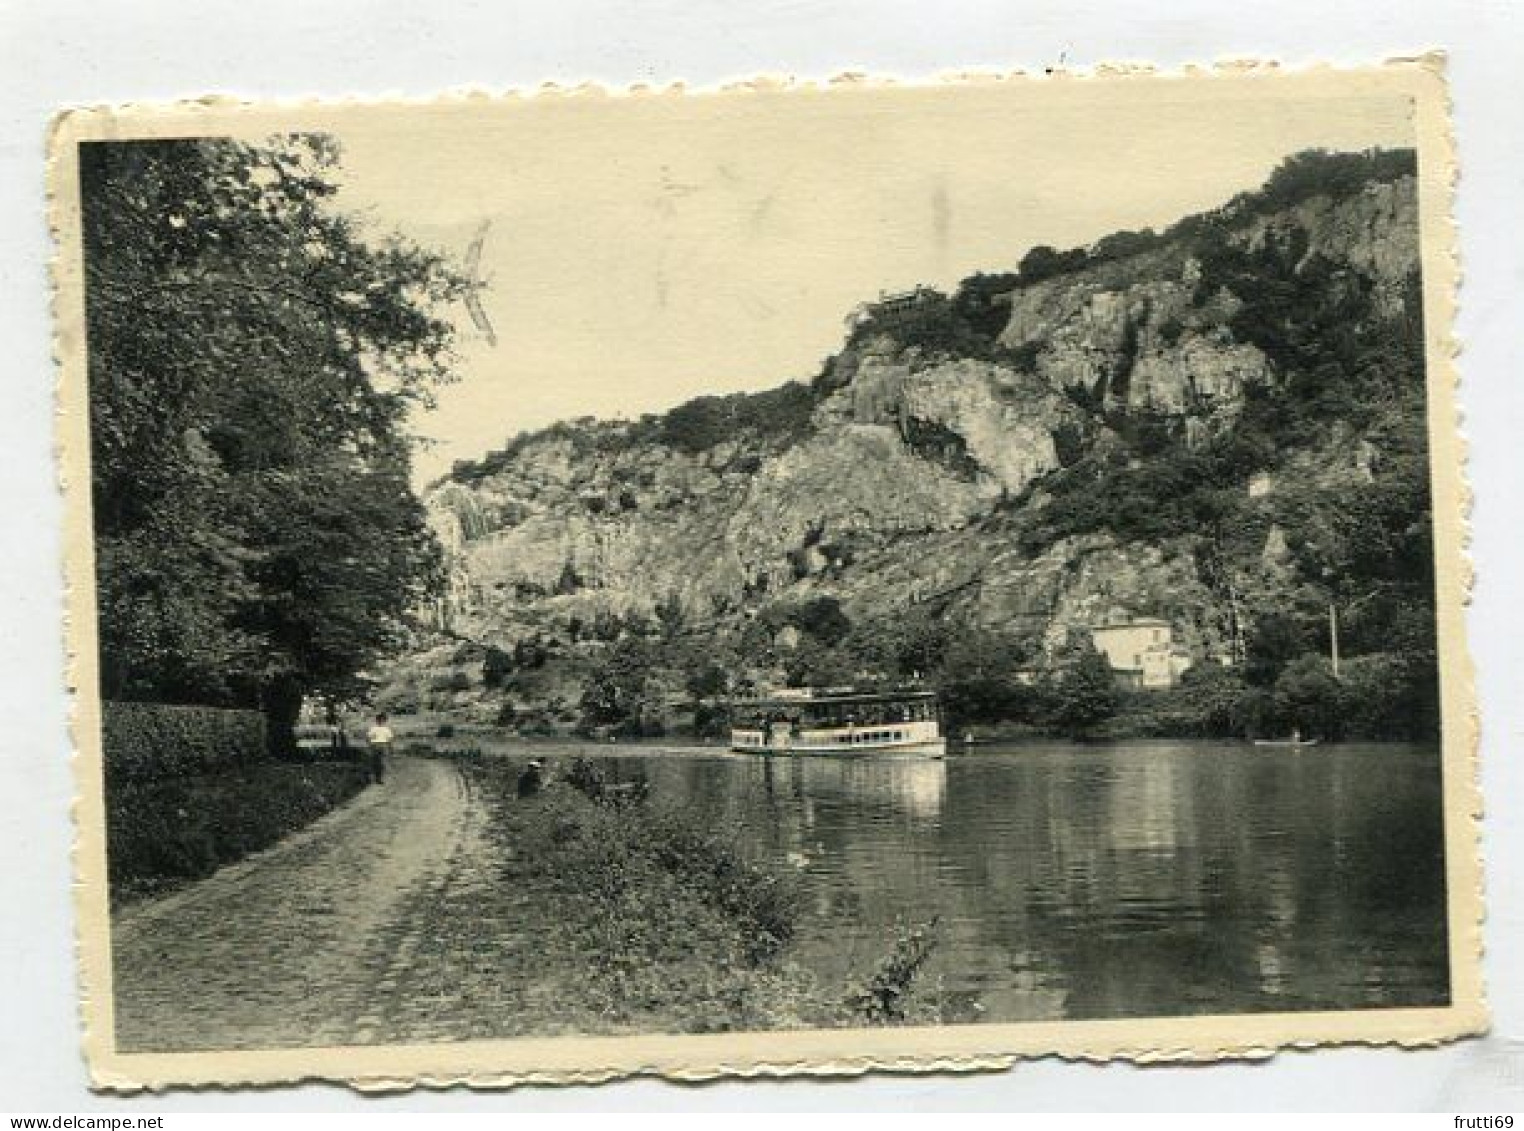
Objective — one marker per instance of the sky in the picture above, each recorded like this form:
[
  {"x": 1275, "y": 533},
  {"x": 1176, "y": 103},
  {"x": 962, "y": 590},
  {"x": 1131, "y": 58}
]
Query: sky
[{"x": 645, "y": 250}]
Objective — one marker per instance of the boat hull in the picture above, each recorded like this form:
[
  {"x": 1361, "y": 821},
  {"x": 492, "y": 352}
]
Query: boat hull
[{"x": 923, "y": 748}]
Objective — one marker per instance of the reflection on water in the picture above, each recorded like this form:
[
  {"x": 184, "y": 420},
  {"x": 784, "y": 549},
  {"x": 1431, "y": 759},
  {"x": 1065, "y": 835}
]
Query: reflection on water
[
  {"x": 915, "y": 787},
  {"x": 1105, "y": 881}
]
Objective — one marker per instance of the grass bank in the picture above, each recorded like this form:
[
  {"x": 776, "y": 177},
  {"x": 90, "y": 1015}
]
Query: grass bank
[
  {"x": 644, "y": 919},
  {"x": 163, "y": 833}
]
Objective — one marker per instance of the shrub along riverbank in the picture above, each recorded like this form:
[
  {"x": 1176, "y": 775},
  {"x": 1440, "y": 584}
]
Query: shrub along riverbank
[
  {"x": 645, "y": 919},
  {"x": 190, "y": 789},
  {"x": 160, "y": 834}
]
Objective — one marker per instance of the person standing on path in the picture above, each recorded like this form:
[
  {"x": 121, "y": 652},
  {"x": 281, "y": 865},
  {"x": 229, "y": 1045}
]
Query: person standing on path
[{"x": 379, "y": 741}]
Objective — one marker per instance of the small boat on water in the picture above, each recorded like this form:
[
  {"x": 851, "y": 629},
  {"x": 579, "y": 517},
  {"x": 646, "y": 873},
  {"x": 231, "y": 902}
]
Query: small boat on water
[
  {"x": 1296, "y": 740},
  {"x": 839, "y": 721}
]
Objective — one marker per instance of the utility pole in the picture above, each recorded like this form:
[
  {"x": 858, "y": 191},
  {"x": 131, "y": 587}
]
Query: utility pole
[
  {"x": 1236, "y": 625},
  {"x": 1333, "y": 637}
]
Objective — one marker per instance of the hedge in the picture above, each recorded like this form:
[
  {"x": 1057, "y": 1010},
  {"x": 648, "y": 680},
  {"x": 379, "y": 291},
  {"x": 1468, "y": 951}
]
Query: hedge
[
  {"x": 153, "y": 741},
  {"x": 163, "y": 833}
]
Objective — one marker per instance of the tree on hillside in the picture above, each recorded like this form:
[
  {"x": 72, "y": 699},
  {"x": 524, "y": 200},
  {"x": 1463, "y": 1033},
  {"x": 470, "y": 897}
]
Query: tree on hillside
[
  {"x": 253, "y": 355},
  {"x": 1083, "y": 694},
  {"x": 979, "y": 301},
  {"x": 1276, "y": 638},
  {"x": 978, "y": 678},
  {"x": 1044, "y": 262},
  {"x": 497, "y": 666},
  {"x": 1308, "y": 698},
  {"x": 670, "y": 616},
  {"x": 624, "y": 692}
]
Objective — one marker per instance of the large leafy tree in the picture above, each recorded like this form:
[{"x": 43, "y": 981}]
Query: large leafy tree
[{"x": 254, "y": 354}]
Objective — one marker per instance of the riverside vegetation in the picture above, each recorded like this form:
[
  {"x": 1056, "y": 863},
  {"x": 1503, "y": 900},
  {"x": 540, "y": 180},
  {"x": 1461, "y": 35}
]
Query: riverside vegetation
[
  {"x": 1222, "y": 424},
  {"x": 189, "y": 789},
  {"x": 647, "y": 919}
]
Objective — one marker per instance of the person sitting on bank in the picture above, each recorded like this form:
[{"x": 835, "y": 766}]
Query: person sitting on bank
[
  {"x": 378, "y": 741},
  {"x": 532, "y": 778}
]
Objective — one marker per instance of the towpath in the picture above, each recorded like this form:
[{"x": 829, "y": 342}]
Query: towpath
[{"x": 331, "y": 937}]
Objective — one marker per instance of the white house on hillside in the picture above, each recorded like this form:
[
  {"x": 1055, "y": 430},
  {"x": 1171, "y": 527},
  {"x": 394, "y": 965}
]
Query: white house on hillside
[{"x": 1141, "y": 651}]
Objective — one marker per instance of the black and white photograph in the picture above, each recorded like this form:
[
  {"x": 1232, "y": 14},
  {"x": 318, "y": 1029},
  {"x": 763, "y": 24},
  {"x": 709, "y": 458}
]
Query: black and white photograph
[{"x": 850, "y": 574}]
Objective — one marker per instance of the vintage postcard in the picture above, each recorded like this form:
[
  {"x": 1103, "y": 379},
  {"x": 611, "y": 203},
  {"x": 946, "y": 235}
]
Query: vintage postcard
[{"x": 797, "y": 578}]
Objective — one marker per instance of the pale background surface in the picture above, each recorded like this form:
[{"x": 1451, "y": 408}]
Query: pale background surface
[{"x": 64, "y": 53}]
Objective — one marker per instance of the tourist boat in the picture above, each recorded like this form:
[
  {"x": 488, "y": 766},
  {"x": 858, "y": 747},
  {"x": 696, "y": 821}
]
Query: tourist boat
[{"x": 839, "y": 721}]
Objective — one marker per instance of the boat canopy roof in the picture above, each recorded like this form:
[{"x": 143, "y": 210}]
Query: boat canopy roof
[{"x": 835, "y": 695}]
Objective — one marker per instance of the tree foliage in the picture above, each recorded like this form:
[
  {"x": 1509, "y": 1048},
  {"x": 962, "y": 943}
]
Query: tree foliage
[
  {"x": 1082, "y": 694},
  {"x": 624, "y": 691},
  {"x": 779, "y": 415},
  {"x": 253, "y": 357}
]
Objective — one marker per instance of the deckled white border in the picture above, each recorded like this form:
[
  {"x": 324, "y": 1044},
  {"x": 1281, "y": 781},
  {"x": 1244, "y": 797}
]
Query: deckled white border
[{"x": 826, "y": 1052}]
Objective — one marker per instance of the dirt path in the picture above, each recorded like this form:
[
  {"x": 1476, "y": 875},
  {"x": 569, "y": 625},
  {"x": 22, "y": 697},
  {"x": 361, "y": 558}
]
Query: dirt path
[
  {"x": 439, "y": 907},
  {"x": 312, "y": 942}
]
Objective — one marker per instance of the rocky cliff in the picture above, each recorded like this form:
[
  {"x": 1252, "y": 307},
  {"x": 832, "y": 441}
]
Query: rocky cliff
[{"x": 1157, "y": 425}]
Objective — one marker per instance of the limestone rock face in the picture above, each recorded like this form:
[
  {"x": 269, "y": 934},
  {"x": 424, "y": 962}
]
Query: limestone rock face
[
  {"x": 996, "y": 421},
  {"x": 1005, "y": 419},
  {"x": 1374, "y": 233},
  {"x": 1140, "y": 346},
  {"x": 1138, "y": 335},
  {"x": 909, "y": 484},
  {"x": 1202, "y": 375},
  {"x": 860, "y": 479}
]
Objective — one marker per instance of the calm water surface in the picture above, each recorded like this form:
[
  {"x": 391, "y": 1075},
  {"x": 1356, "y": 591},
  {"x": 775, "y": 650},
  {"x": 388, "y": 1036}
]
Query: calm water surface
[{"x": 1144, "y": 878}]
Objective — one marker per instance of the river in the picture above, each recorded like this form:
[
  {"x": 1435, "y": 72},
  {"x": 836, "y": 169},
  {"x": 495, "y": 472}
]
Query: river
[{"x": 1119, "y": 880}]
